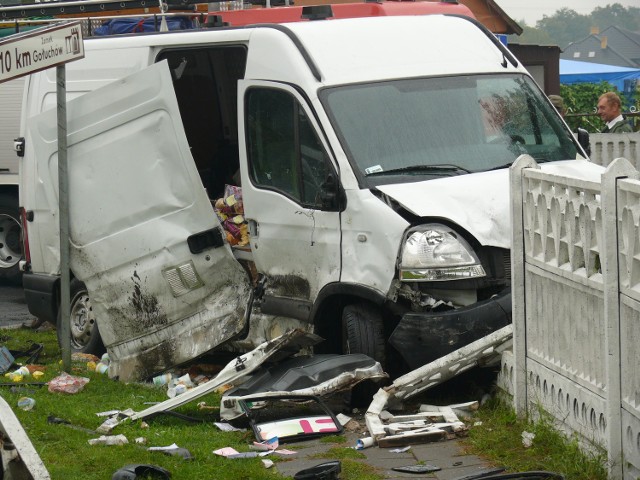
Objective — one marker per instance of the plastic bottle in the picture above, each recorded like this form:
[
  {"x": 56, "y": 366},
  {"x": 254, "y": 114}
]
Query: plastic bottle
[
  {"x": 102, "y": 368},
  {"x": 26, "y": 403},
  {"x": 179, "y": 389},
  {"x": 163, "y": 379}
]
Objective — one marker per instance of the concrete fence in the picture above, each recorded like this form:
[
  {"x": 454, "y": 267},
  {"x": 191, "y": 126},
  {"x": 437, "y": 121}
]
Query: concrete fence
[
  {"x": 576, "y": 305},
  {"x": 605, "y": 147}
]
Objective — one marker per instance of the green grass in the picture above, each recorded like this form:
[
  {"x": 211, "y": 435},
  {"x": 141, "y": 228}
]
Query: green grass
[
  {"x": 499, "y": 439},
  {"x": 66, "y": 453}
]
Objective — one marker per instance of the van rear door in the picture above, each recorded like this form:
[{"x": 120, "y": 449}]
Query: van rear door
[{"x": 145, "y": 239}]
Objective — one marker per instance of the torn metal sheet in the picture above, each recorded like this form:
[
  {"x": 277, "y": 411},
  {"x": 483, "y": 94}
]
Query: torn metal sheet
[
  {"x": 22, "y": 461},
  {"x": 290, "y": 341},
  {"x": 477, "y": 353},
  {"x": 317, "y": 375}
]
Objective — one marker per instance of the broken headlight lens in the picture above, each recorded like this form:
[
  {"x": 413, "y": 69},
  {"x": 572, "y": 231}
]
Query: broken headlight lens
[{"x": 437, "y": 253}]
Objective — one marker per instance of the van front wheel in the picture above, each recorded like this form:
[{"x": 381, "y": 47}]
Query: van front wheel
[
  {"x": 85, "y": 337},
  {"x": 363, "y": 332}
]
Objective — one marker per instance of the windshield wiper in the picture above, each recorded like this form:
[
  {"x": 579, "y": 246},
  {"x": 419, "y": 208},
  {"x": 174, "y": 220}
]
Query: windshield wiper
[
  {"x": 506, "y": 165},
  {"x": 438, "y": 168}
]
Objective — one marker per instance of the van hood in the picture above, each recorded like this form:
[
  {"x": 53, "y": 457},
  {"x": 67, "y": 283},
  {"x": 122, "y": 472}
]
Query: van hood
[{"x": 479, "y": 202}]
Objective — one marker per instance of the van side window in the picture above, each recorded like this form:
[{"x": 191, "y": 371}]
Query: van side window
[{"x": 283, "y": 149}]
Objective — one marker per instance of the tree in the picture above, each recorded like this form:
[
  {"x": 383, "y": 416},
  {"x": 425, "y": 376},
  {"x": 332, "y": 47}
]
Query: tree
[
  {"x": 565, "y": 26},
  {"x": 616, "y": 14},
  {"x": 532, "y": 35}
]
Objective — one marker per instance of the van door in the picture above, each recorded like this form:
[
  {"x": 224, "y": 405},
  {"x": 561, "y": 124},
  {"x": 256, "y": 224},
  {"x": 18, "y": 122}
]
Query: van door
[
  {"x": 291, "y": 200},
  {"x": 163, "y": 282}
]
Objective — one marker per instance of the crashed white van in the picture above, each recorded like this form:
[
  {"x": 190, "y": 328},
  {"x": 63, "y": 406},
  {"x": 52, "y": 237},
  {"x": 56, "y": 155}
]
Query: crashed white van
[{"x": 372, "y": 154}]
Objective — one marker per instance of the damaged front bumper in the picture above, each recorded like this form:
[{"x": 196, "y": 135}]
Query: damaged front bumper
[{"x": 422, "y": 337}]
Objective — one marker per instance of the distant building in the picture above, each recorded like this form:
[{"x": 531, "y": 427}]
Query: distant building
[{"x": 613, "y": 46}]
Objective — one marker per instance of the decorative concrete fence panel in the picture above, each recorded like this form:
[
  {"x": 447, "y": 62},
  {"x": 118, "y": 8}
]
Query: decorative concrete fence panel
[
  {"x": 605, "y": 147},
  {"x": 576, "y": 305}
]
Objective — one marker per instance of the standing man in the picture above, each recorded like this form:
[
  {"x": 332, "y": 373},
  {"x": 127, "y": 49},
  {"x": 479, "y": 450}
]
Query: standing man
[
  {"x": 609, "y": 106},
  {"x": 558, "y": 102}
]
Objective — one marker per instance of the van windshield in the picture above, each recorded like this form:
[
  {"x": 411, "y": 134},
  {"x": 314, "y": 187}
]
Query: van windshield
[{"x": 417, "y": 129}]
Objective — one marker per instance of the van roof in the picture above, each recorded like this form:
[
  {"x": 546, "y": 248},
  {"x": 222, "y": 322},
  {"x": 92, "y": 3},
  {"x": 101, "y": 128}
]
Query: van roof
[
  {"x": 345, "y": 10},
  {"x": 366, "y": 49},
  {"x": 346, "y": 50}
]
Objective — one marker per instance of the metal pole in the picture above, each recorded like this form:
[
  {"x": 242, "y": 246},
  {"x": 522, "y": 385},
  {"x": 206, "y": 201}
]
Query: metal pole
[{"x": 63, "y": 209}]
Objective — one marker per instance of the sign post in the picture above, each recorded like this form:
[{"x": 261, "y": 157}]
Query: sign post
[{"x": 23, "y": 54}]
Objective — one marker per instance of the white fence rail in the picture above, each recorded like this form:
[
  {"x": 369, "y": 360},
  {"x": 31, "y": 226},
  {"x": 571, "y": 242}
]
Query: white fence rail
[{"x": 576, "y": 306}]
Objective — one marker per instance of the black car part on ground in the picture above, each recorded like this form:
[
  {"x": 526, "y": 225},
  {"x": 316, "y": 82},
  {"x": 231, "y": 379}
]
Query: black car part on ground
[
  {"x": 140, "y": 470},
  {"x": 324, "y": 471}
]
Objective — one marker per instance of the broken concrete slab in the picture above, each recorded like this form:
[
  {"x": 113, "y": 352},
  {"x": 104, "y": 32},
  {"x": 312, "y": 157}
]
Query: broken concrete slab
[{"x": 477, "y": 353}]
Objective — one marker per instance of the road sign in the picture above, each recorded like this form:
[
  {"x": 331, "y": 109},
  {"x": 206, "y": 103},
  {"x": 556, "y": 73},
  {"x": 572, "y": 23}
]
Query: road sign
[{"x": 28, "y": 52}]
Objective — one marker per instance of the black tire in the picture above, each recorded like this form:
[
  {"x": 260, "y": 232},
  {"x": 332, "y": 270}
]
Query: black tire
[
  {"x": 10, "y": 241},
  {"x": 85, "y": 337},
  {"x": 363, "y": 332}
]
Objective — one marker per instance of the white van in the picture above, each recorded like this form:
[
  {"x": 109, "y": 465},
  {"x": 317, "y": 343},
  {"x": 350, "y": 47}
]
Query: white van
[{"x": 372, "y": 155}]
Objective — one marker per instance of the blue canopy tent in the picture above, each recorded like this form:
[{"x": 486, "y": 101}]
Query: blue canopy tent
[{"x": 572, "y": 72}]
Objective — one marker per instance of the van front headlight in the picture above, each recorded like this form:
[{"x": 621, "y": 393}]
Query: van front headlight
[{"x": 434, "y": 252}]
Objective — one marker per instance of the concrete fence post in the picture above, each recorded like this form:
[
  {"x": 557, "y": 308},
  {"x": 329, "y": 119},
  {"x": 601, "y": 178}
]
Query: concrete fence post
[
  {"x": 619, "y": 168},
  {"x": 517, "y": 281}
]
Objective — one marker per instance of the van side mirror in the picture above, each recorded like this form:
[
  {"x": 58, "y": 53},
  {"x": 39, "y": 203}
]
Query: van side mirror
[
  {"x": 330, "y": 195},
  {"x": 583, "y": 140}
]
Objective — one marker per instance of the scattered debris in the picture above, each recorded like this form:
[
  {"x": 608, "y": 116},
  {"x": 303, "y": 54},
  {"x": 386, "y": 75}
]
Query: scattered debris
[
  {"x": 173, "y": 449},
  {"x": 6, "y": 359},
  {"x": 318, "y": 375},
  {"x": 400, "y": 450},
  {"x": 420, "y": 428},
  {"x": 527, "y": 439},
  {"x": 109, "y": 440},
  {"x": 363, "y": 443},
  {"x": 227, "y": 427},
  {"x": 289, "y": 417},
  {"x": 532, "y": 475},
  {"x": 324, "y": 471},
  {"x": 26, "y": 403},
  {"x": 267, "y": 445},
  {"x": 61, "y": 421},
  {"x": 267, "y": 463},
  {"x": 417, "y": 469},
  {"x": 31, "y": 354},
  {"x": 65, "y": 383},
  {"x": 139, "y": 470},
  {"x": 241, "y": 366}
]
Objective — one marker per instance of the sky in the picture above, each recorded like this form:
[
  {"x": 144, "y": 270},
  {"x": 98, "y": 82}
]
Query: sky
[{"x": 532, "y": 11}]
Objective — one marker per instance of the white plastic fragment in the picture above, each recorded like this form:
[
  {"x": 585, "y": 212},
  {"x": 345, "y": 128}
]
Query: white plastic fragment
[
  {"x": 527, "y": 439},
  {"x": 109, "y": 440},
  {"x": 400, "y": 450}
]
